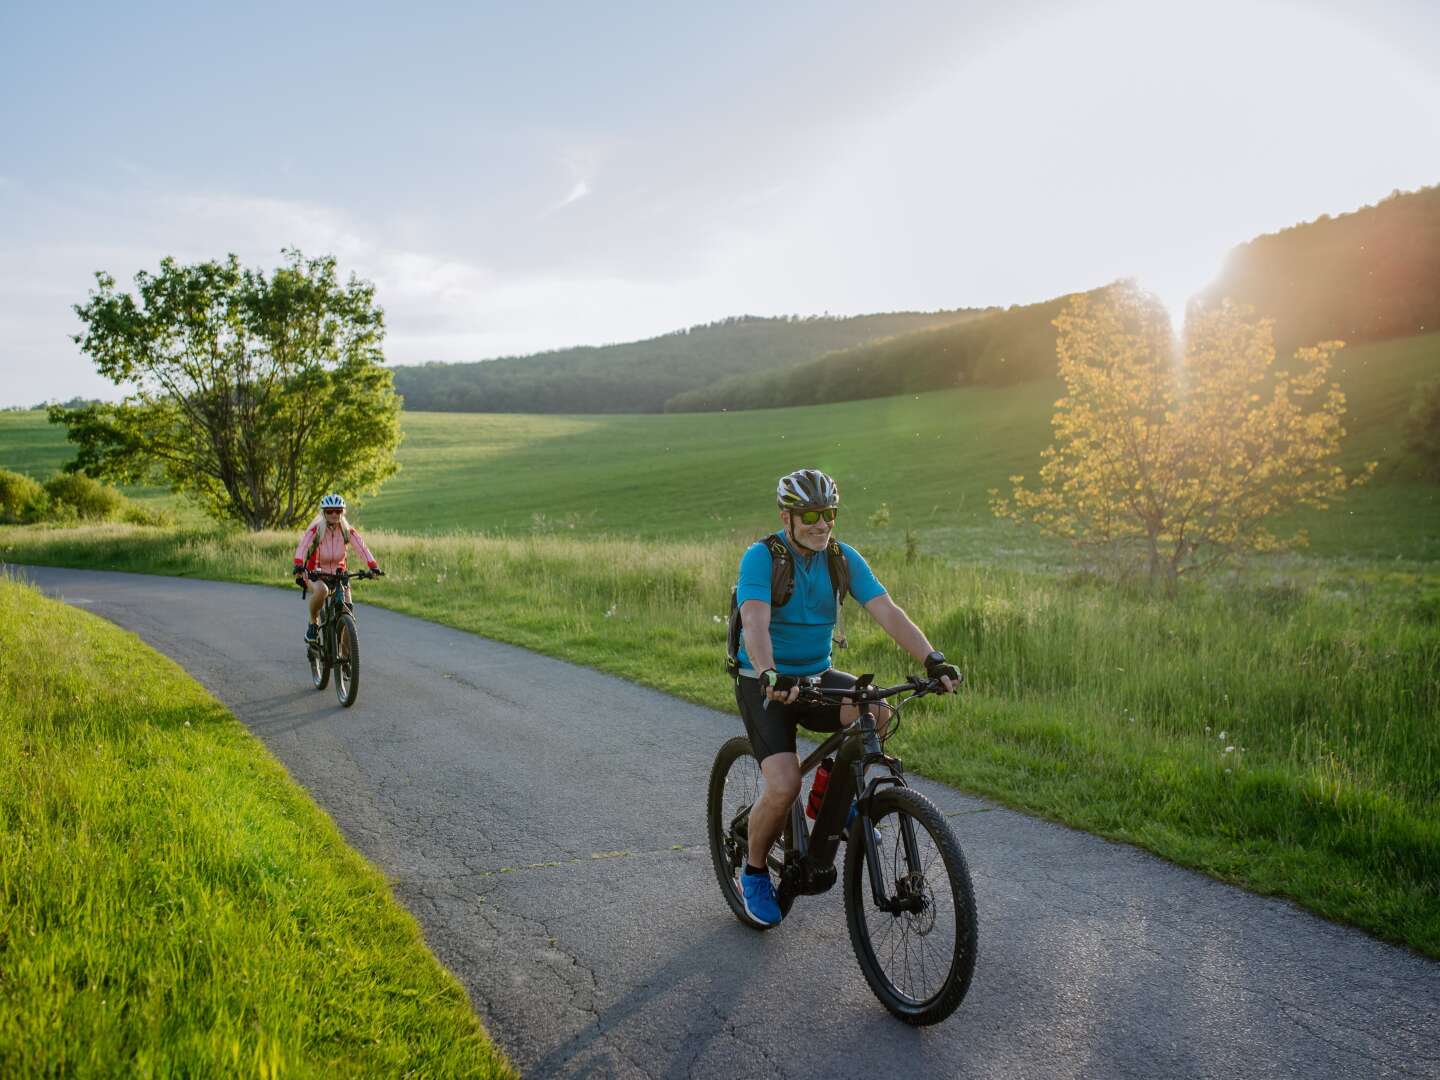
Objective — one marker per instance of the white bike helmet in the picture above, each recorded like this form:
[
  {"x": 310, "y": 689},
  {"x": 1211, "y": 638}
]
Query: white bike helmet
[{"x": 332, "y": 501}]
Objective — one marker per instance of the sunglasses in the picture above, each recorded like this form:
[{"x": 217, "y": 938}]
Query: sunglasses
[
  {"x": 810, "y": 517},
  {"x": 333, "y": 510}
]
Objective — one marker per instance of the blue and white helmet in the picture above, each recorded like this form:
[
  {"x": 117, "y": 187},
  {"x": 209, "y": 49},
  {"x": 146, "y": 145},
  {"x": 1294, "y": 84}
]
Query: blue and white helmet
[
  {"x": 807, "y": 489},
  {"x": 332, "y": 502}
]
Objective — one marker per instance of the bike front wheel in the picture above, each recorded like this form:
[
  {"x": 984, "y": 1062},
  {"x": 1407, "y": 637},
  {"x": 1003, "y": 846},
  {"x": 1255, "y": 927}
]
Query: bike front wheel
[
  {"x": 347, "y": 660},
  {"x": 919, "y": 958},
  {"x": 735, "y": 784},
  {"x": 319, "y": 662}
]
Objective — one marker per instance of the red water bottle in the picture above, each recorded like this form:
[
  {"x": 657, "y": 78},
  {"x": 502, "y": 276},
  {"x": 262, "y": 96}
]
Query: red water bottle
[{"x": 817, "y": 790}]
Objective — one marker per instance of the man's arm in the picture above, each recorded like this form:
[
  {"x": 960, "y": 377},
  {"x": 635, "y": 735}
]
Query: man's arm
[
  {"x": 906, "y": 634},
  {"x": 755, "y": 622}
]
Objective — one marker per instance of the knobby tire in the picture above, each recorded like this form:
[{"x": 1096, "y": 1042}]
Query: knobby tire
[
  {"x": 918, "y": 964},
  {"x": 347, "y": 660}
]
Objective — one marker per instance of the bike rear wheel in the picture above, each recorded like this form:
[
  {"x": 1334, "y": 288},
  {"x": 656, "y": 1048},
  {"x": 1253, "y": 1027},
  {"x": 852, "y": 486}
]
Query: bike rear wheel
[
  {"x": 735, "y": 784},
  {"x": 347, "y": 660},
  {"x": 919, "y": 961}
]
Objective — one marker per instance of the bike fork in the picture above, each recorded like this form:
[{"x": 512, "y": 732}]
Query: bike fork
[{"x": 894, "y": 904}]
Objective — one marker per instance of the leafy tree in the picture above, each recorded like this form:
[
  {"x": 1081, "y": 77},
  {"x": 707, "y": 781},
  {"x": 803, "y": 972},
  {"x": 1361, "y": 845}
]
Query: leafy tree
[
  {"x": 1422, "y": 429},
  {"x": 1181, "y": 460},
  {"x": 253, "y": 395}
]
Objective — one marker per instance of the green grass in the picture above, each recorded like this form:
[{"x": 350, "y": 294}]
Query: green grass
[
  {"x": 170, "y": 903},
  {"x": 1107, "y": 709},
  {"x": 612, "y": 541},
  {"x": 931, "y": 457}
]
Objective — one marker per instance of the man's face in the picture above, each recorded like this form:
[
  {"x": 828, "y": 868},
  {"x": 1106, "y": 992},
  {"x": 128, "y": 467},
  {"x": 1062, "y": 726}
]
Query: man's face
[{"x": 813, "y": 537}]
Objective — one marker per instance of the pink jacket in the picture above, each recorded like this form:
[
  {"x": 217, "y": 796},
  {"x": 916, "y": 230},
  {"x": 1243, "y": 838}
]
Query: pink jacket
[{"x": 330, "y": 553}]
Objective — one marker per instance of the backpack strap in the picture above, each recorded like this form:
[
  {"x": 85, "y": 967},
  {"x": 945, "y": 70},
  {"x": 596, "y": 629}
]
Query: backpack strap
[
  {"x": 315, "y": 544},
  {"x": 839, "y": 567},
  {"x": 782, "y": 570}
]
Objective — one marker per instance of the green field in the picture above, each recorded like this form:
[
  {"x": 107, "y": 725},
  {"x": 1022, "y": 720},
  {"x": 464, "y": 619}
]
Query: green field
[
  {"x": 171, "y": 904},
  {"x": 931, "y": 457}
]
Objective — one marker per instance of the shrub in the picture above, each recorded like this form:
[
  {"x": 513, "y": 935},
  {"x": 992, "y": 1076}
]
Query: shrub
[
  {"x": 21, "y": 498},
  {"x": 136, "y": 514},
  {"x": 89, "y": 498}
]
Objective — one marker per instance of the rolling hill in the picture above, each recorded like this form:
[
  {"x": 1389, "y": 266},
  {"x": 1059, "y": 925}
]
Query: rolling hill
[
  {"x": 642, "y": 376},
  {"x": 930, "y": 457}
]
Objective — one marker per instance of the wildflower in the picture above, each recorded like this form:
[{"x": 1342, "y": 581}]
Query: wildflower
[
  {"x": 1222, "y": 736},
  {"x": 611, "y": 612},
  {"x": 1229, "y": 749}
]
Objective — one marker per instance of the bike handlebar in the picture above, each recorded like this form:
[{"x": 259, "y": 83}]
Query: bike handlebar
[
  {"x": 343, "y": 576},
  {"x": 865, "y": 691}
]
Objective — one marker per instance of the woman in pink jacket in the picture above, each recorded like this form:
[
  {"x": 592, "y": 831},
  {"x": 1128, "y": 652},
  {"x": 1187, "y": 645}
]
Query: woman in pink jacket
[{"x": 322, "y": 547}]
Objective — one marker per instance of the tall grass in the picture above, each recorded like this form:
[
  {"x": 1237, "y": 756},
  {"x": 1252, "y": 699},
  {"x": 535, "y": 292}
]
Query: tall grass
[
  {"x": 170, "y": 903},
  {"x": 1280, "y": 732}
]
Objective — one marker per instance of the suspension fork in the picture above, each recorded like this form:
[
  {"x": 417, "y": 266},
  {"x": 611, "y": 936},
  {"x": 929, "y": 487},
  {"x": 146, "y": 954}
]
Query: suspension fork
[{"x": 868, "y": 752}]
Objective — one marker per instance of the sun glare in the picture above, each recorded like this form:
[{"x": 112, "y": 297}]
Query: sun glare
[{"x": 1176, "y": 287}]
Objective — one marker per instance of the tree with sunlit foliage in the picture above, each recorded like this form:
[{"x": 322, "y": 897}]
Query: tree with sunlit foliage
[{"x": 1176, "y": 459}]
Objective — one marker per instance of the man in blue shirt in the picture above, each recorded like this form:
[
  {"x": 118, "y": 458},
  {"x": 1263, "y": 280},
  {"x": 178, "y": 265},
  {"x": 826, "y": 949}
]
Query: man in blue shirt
[{"x": 784, "y": 644}]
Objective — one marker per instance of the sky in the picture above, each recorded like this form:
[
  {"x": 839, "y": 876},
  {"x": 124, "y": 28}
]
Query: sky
[{"x": 521, "y": 177}]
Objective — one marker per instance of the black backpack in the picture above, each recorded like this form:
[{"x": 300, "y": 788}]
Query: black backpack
[{"x": 782, "y": 584}]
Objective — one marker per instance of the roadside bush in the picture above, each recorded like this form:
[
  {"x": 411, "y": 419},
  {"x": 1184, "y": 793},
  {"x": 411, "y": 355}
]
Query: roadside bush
[
  {"x": 136, "y": 514},
  {"x": 22, "y": 500},
  {"x": 90, "y": 499}
]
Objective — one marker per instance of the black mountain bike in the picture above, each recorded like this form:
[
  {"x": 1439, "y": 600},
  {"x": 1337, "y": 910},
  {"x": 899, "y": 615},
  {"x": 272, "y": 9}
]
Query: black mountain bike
[
  {"x": 338, "y": 647},
  {"x": 908, "y": 898}
]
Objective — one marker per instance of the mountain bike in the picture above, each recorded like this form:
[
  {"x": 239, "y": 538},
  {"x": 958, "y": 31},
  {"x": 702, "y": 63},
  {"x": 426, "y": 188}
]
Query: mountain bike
[
  {"x": 908, "y": 898},
  {"x": 338, "y": 646}
]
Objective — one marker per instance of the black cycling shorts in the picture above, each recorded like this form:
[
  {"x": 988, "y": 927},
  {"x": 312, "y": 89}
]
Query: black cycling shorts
[{"x": 772, "y": 730}]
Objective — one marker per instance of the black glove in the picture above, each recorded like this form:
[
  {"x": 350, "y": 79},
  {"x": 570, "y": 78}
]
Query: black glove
[
  {"x": 771, "y": 679},
  {"x": 936, "y": 668},
  {"x": 377, "y": 572}
]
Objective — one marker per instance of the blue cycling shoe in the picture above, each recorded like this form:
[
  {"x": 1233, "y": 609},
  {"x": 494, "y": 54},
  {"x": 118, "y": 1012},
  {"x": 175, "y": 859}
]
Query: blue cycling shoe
[
  {"x": 758, "y": 895},
  {"x": 312, "y": 634}
]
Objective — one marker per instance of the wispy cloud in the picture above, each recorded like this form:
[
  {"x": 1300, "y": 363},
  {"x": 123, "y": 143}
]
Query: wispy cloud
[{"x": 578, "y": 192}]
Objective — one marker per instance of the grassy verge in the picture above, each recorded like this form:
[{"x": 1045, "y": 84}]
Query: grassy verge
[
  {"x": 170, "y": 903},
  {"x": 1280, "y": 732}
]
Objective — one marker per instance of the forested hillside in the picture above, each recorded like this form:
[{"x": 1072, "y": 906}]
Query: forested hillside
[
  {"x": 996, "y": 349},
  {"x": 1364, "y": 276},
  {"x": 642, "y": 376}
]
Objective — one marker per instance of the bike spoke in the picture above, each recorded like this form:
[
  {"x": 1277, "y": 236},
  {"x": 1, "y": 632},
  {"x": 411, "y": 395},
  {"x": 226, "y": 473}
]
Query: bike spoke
[{"x": 918, "y": 946}]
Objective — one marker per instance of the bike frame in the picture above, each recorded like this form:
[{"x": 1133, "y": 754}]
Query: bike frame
[
  {"x": 809, "y": 863},
  {"x": 336, "y": 604}
]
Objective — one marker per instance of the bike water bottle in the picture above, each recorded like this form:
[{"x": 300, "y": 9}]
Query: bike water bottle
[{"x": 817, "y": 790}]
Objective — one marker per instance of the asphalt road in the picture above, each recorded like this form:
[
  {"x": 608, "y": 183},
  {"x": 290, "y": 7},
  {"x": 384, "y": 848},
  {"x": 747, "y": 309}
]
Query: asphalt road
[{"x": 545, "y": 824}]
